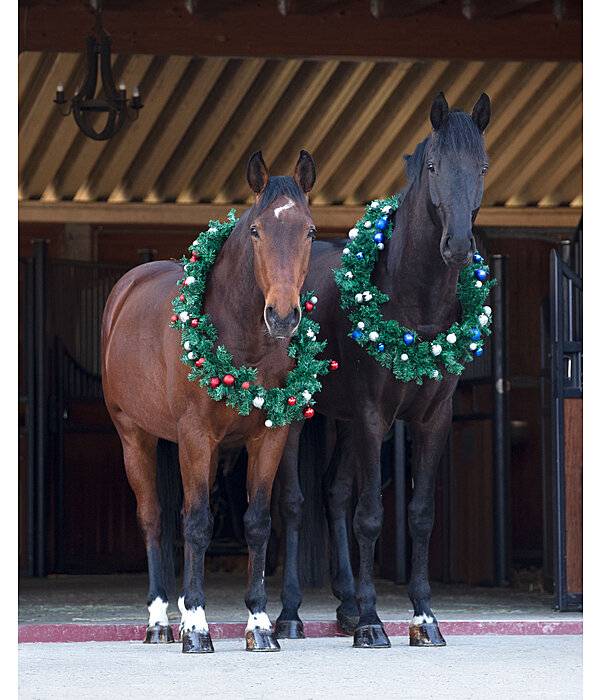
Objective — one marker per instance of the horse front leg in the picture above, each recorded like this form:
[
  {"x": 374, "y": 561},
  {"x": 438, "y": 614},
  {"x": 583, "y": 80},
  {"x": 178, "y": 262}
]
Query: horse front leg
[
  {"x": 264, "y": 454},
  {"x": 198, "y": 461},
  {"x": 429, "y": 440},
  {"x": 288, "y": 624},
  {"x": 368, "y": 522}
]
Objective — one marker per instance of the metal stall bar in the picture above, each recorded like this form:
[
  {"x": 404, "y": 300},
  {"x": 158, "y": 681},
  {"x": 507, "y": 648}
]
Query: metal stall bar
[{"x": 500, "y": 424}]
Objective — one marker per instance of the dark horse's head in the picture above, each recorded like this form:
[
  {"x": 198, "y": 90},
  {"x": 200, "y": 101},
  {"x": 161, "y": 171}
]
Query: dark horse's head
[
  {"x": 282, "y": 231},
  {"x": 456, "y": 162}
]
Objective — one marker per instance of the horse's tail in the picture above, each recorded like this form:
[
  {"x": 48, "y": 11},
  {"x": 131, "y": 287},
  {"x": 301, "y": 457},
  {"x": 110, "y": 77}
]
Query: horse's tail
[
  {"x": 170, "y": 496},
  {"x": 314, "y": 454}
]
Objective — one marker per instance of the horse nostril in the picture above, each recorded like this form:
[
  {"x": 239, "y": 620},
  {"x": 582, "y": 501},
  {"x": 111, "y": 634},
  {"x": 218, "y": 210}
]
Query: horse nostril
[
  {"x": 270, "y": 315},
  {"x": 295, "y": 316}
]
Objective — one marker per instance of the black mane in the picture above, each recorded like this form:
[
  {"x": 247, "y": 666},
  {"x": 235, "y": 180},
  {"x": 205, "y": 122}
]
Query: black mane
[{"x": 276, "y": 186}]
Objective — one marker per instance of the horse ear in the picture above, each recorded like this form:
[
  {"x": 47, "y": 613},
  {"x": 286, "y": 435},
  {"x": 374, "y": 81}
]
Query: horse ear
[
  {"x": 257, "y": 173},
  {"x": 305, "y": 173},
  {"x": 439, "y": 111},
  {"x": 481, "y": 112}
]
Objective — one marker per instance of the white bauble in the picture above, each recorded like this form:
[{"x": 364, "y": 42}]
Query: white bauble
[
  {"x": 483, "y": 319},
  {"x": 359, "y": 298},
  {"x": 258, "y": 401},
  {"x": 473, "y": 346},
  {"x": 269, "y": 423},
  {"x": 184, "y": 317},
  {"x": 451, "y": 338},
  {"x": 352, "y": 233},
  {"x": 488, "y": 310},
  {"x": 189, "y": 280},
  {"x": 360, "y": 325},
  {"x": 373, "y": 335},
  {"x": 436, "y": 350},
  {"x": 404, "y": 357}
]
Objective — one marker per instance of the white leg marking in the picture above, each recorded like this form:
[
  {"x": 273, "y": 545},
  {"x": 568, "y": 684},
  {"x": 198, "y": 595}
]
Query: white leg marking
[
  {"x": 277, "y": 211},
  {"x": 259, "y": 621},
  {"x": 158, "y": 612},
  {"x": 420, "y": 619},
  {"x": 193, "y": 619}
]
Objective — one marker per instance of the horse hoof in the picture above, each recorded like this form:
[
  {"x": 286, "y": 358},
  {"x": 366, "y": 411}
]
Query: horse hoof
[
  {"x": 261, "y": 640},
  {"x": 371, "y": 637},
  {"x": 159, "y": 634},
  {"x": 196, "y": 642},
  {"x": 347, "y": 623},
  {"x": 426, "y": 635},
  {"x": 289, "y": 629}
]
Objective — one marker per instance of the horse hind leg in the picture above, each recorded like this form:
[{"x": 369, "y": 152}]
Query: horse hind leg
[
  {"x": 338, "y": 494},
  {"x": 139, "y": 454}
]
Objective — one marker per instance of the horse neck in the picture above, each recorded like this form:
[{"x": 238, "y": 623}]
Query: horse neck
[
  {"x": 233, "y": 294},
  {"x": 421, "y": 287}
]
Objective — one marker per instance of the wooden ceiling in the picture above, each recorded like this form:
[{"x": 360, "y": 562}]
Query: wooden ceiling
[{"x": 184, "y": 159}]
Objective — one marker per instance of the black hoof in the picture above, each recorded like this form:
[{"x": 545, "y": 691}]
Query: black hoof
[
  {"x": 426, "y": 635},
  {"x": 289, "y": 629},
  {"x": 261, "y": 640},
  {"x": 347, "y": 623},
  {"x": 159, "y": 634},
  {"x": 196, "y": 642},
  {"x": 371, "y": 637}
]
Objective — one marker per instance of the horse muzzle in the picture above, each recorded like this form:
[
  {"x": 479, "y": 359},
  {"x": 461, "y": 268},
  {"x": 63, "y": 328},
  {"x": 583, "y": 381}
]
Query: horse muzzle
[
  {"x": 457, "y": 251},
  {"x": 282, "y": 328}
]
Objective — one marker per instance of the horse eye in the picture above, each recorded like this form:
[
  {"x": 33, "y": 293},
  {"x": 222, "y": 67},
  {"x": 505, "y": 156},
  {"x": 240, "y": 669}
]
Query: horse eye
[
  {"x": 484, "y": 170},
  {"x": 254, "y": 232},
  {"x": 311, "y": 233},
  {"x": 430, "y": 167}
]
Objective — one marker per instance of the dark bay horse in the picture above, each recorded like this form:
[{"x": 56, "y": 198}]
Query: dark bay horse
[
  {"x": 419, "y": 268},
  {"x": 253, "y": 299}
]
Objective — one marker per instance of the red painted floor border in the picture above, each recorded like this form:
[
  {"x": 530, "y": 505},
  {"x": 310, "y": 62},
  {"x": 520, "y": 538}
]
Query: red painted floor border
[{"x": 123, "y": 632}]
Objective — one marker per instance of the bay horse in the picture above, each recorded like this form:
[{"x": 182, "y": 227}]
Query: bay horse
[
  {"x": 253, "y": 299},
  {"x": 418, "y": 269}
]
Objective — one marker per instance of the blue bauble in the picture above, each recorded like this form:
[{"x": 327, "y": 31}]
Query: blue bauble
[
  {"x": 408, "y": 338},
  {"x": 479, "y": 351},
  {"x": 480, "y": 274},
  {"x": 379, "y": 238},
  {"x": 356, "y": 335},
  {"x": 381, "y": 347},
  {"x": 360, "y": 255},
  {"x": 381, "y": 223},
  {"x": 475, "y": 333},
  {"x": 477, "y": 258}
]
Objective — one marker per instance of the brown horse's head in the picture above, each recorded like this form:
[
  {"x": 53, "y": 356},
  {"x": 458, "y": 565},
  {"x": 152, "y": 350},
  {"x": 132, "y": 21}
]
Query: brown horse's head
[{"x": 282, "y": 231}]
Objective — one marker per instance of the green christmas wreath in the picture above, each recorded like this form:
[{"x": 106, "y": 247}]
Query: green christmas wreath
[
  {"x": 395, "y": 347},
  {"x": 213, "y": 368}
]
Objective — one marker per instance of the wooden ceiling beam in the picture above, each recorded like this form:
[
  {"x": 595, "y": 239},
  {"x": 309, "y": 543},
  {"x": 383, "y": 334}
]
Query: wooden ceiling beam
[
  {"x": 304, "y": 7},
  {"x": 169, "y": 129},
  {"x": 338, "y": 218},
  {"x": 374, "y": 98},
  {"x": 384, "y": 9},
  {"x": 259, "y": 30},
  {"x": 242, "y": 128},
  {"x": 492, "y": 9}
]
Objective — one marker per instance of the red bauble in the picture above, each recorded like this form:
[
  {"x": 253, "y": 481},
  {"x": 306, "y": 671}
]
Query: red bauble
[
  {"x": 308, "y": 412},
  {"x": 292, "y": 401},
  {"x": 214, "y": 382},
  {"x": 334, "y": 364},
  {"x": 245, "y": 385},
  {"x": 193, "y": 258},
  {"x": 194, "y": 322},
  {"x": 228, "y": 379},
  {"x": 174, "y": 318},
  {"x": 308, "y": 305},
  {"x": 182, "y": 297},
  {"x": 200, "y": 362}
]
